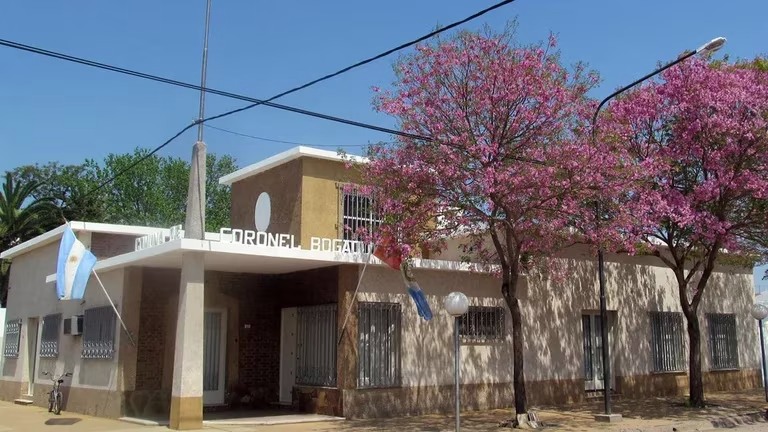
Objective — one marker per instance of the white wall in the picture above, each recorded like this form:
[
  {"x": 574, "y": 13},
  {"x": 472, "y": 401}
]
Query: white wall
[{"x": 2, "y": 336}]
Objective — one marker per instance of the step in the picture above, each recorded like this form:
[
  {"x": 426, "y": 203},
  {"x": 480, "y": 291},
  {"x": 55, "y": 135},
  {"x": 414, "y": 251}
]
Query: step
[{"x": 23, "y": 401}]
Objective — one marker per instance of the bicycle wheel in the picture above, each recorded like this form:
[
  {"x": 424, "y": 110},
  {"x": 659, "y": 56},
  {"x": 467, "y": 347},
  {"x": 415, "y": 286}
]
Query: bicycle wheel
[
  {"x": 57, "y": 404},
  {"x": 51, "y": 400}
]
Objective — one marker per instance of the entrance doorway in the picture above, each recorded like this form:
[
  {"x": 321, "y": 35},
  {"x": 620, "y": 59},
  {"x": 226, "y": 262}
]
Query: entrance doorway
[
  {"x": 214, "y": 356},
  {"x": 592, "y": 328}
]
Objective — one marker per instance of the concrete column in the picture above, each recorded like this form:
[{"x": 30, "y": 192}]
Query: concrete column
[
  {"x": 346, "y": 358},
  {"x": 187, "y": 396}
]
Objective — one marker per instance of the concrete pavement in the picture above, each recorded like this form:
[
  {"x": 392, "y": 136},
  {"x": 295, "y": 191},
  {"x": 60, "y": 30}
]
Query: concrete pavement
[{"x": 726, "y": 410}]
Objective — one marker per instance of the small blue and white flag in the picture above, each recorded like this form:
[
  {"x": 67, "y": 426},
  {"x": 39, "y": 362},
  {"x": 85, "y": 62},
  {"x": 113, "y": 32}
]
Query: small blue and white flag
[{"x": 73, "y": 268}]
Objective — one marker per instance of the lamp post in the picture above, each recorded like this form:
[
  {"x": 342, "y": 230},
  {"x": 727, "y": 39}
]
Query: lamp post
[
  {"x": 760, "y": 312},
  {"x": 708, "y": 47},
  {"x": 456, "y": 304}
]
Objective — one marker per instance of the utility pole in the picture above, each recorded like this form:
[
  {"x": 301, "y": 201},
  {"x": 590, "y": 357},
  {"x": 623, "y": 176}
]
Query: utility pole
[{"x": 187, "y": 395}]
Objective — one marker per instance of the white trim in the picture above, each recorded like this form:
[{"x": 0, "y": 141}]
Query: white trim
[
  {"x": 282, "y": 158},
  {"x": 90, "y": 227}
]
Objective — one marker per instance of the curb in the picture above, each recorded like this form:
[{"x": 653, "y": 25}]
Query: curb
[{"x": 733, "y": 421}]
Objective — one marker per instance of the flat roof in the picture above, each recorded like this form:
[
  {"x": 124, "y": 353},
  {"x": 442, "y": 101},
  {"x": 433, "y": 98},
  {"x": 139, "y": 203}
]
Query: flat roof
[
  {"x": 282, "y": 158},
  {"x": 94, "y": 227}
]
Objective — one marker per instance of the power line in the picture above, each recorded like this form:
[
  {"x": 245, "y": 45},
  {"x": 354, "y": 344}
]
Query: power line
[
  {"x": 256, "y": 102},
  {"x": 177, "y": 83},
  {"x": 279, "y": 141}
]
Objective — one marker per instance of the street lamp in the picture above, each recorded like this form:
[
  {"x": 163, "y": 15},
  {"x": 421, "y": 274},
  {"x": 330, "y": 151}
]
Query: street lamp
[
  {"x": 759, "y": 312},
  {"x": 456, "y": 304},
  {"x": 708, "y": 47}
]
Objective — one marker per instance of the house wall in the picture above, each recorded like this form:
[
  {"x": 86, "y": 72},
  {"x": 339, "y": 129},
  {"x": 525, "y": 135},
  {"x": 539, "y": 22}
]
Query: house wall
[
  {"x": 321, "y": 203},
  {"x": 283, "y": 184},
  {"x": 97, "y": 384},
  {"x": 553, "y": 341}
]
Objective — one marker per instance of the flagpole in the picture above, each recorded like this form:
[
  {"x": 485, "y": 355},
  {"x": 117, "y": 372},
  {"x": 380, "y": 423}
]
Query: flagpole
[
  {"x": 114, "y": 308},
  {"x": 354, "y": 296}
]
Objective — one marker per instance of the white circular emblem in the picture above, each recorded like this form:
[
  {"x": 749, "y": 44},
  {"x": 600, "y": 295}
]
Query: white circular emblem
[{"x": 262, "y": 212}]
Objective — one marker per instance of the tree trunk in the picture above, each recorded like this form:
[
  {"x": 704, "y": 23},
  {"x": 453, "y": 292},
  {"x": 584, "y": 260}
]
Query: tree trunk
[
  {"x": 695, "y": 382},
  {"x": 521, "y": 399}
]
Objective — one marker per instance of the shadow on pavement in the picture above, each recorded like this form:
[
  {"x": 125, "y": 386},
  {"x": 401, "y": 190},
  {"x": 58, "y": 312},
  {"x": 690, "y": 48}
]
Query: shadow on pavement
[{"x": 65, "y": 421}]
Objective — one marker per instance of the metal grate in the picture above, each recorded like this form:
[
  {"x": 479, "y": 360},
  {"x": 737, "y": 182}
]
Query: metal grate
[
  {"x": 378, "y": 344},
  {"x": 667, "y": 341},
  {"x": 586, "y": 326},
  {"x": 12, "y": 338},
  {"x": 357, "y": 213},
  {"x": 722, "y": 341},
  {"x": 212, "y": 322},
  {"x": 49, "y": 340},
  {"x": 99, "y": 333},
  {"x": 316, "y": 345},
  {"x": 482, "y": 324}
]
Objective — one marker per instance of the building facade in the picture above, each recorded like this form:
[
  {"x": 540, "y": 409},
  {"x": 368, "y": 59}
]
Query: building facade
[{"x": 282, "y": 324}]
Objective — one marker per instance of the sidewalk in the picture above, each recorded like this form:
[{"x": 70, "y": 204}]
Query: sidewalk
[{"x": 656, "y": 414}]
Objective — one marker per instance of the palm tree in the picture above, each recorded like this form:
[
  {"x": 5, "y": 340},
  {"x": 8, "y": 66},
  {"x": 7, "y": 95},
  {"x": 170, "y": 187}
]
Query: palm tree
[{"x": 21, "y": 217}]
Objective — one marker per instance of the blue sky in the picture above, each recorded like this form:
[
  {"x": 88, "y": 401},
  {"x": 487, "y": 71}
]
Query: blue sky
[{"x": 51, "y": 110}]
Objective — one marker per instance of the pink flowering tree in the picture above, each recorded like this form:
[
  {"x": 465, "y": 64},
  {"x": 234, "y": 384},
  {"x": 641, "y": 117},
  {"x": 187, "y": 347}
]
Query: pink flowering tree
[
  {"x": 700, "y": 133},
  {"x": 502, "y": 162}
]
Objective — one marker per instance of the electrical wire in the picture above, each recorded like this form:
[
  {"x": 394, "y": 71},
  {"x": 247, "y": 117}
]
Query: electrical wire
[
  {"x": 255, "y": 102},
  {"x": 280, "y": 141}
]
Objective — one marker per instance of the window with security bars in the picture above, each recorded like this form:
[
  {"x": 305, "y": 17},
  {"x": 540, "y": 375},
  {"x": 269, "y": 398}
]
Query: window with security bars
[
  {"x": 12, "y": 338},
  {"x": 358, "y": 212},
  {"x": 667, "y": 341},
  {"x": 482, "y": 324},
  {"x": 99, "y": 333},
  {"x": 316, "y": 345},
  {"x": 49, "y": 340},
  {"x": 722, "y": 341},
  {"x": 378, "y": 348}
]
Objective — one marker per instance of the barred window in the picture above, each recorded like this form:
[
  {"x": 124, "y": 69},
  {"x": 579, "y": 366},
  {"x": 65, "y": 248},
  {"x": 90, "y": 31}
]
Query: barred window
[
  {"x": 12, "y": 338},
  {"x": 482, "y": 324},
  {"x": 667, "y": 341},
  {"x": 722, "y": 341},
  {"x": 49, "y": 340},
  {"x": 316, "y": 345},
  {"x": 378, "y": 327},
  {"x": 358, "y": 212},
  {"x": 99, "y": 333}
]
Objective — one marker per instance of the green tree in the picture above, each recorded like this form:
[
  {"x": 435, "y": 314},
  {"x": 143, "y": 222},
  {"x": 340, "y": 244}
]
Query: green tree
[{"x": 22, "y": 216}]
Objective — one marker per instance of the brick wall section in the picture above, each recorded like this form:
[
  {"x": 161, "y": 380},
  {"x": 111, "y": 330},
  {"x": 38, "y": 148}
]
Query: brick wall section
[
  {"x": 152, "y": 328},
  {"x": 109, "y": 245}
]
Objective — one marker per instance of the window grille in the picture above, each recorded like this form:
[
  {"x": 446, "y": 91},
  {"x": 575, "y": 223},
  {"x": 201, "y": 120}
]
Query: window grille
[
  {"x": 99, "y": 333},
  {"x": 49, "y": 340},
  {"x": 722, "y": 341},
  {"x": 667, "y": 341},
  {"x": 378, "y": 344},
  {"x": 586, "y": 326},
  {"x": 358, "y": 212},
  {"x": 482, "y": 324},
  {"x": 12, "y": 338},
  {"x": 316, "y": 346}
]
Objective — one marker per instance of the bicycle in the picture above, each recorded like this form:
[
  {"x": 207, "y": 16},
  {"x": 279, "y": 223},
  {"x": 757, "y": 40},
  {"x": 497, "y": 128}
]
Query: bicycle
[{"x": 54, "y": 397}]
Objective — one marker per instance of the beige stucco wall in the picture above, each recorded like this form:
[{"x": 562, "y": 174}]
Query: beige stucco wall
[
  {"x": 321, "y": 203},
  {"x": 552, "y": 312}
]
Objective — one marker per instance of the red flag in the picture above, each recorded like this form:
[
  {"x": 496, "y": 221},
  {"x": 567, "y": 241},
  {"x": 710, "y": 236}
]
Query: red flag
[{"x": 385, "y": 252}]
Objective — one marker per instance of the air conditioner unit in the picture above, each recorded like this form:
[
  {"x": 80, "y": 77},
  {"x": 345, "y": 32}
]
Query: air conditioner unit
[{"x": 73, "y": 326}]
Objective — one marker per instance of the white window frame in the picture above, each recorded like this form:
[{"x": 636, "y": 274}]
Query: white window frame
[{"x": 356, "y": 210}]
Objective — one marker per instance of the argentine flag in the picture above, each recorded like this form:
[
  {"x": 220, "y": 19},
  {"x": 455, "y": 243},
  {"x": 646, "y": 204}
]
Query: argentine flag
[{"x": 73, "y": 267}]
